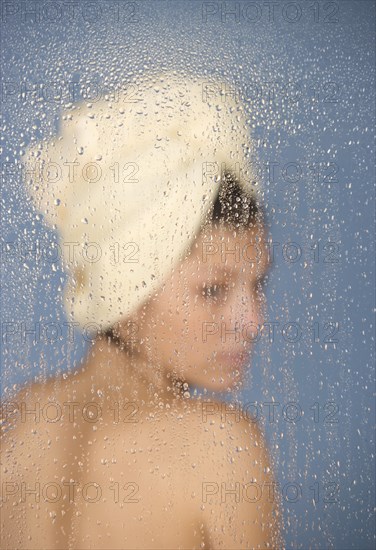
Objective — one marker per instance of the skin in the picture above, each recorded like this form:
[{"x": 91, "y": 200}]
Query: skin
[
  {"x": 161, "y": 459},
  {"x": 206, "y": 290}
]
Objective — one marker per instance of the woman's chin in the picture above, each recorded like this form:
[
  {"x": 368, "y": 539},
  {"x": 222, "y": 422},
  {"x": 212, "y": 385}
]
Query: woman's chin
[
  {"x": 221, "y": 380},
  {"x": 216, "y": 377}
]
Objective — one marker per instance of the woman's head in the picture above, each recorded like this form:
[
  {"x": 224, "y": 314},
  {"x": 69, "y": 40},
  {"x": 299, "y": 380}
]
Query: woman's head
[
  {"x": 200, "y": 324},
  {"x": 129, "y": 184}
]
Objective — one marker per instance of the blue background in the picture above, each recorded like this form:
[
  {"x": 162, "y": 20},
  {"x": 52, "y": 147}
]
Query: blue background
[{"x": 330, "y": 123}]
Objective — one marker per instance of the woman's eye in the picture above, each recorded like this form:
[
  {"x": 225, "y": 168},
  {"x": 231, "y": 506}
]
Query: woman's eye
[{"x": 213, "y": 291}]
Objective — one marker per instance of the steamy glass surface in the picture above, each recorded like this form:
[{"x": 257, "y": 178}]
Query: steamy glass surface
[{"x": 304, "y": 72}]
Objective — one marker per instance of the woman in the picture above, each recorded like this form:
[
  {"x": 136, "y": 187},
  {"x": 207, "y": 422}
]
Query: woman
[{"x": 121, "y": 453}]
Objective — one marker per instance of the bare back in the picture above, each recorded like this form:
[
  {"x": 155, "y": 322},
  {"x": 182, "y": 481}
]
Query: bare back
[{"x": 89, "y": 470}]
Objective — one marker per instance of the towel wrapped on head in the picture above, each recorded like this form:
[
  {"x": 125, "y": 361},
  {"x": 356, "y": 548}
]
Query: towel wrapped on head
[{"x": 129, "y": 183}]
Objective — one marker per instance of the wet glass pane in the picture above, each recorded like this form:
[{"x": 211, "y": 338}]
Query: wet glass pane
[{"x": 187, "y": 274}]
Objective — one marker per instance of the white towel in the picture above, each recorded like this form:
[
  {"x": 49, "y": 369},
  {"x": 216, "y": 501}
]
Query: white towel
[{"x": 129, "y": 184}]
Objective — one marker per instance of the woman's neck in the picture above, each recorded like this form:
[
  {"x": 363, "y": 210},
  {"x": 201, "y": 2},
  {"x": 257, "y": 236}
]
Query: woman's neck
[{"x": 114, "y": 371}]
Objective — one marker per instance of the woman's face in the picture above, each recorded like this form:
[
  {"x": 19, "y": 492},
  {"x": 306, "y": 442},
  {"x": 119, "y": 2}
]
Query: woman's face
[{"x": 201, "y": 323}]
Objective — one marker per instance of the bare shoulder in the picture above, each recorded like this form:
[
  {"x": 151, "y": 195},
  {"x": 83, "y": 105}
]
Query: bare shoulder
[
  {"x": 228, "y": 447},
  {"x": 36, "y": 402},
  {"x": 216, "y": 426},
  {"x": 22, "y": 409},
  {"x": 36, "y": 452},
  {"x": 229, "y": 429},
  {"x": 31, "y": 418},
  {"x": 235, "y": 481},
  {"x": 21, "y": 456}
]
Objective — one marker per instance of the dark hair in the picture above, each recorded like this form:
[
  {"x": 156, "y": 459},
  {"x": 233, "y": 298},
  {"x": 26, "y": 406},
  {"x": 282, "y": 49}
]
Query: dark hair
[{"x": 234, "y": 207}]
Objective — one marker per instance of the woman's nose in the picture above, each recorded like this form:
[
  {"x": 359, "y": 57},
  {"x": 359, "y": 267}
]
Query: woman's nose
[{"x": 245, "y": 308}]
